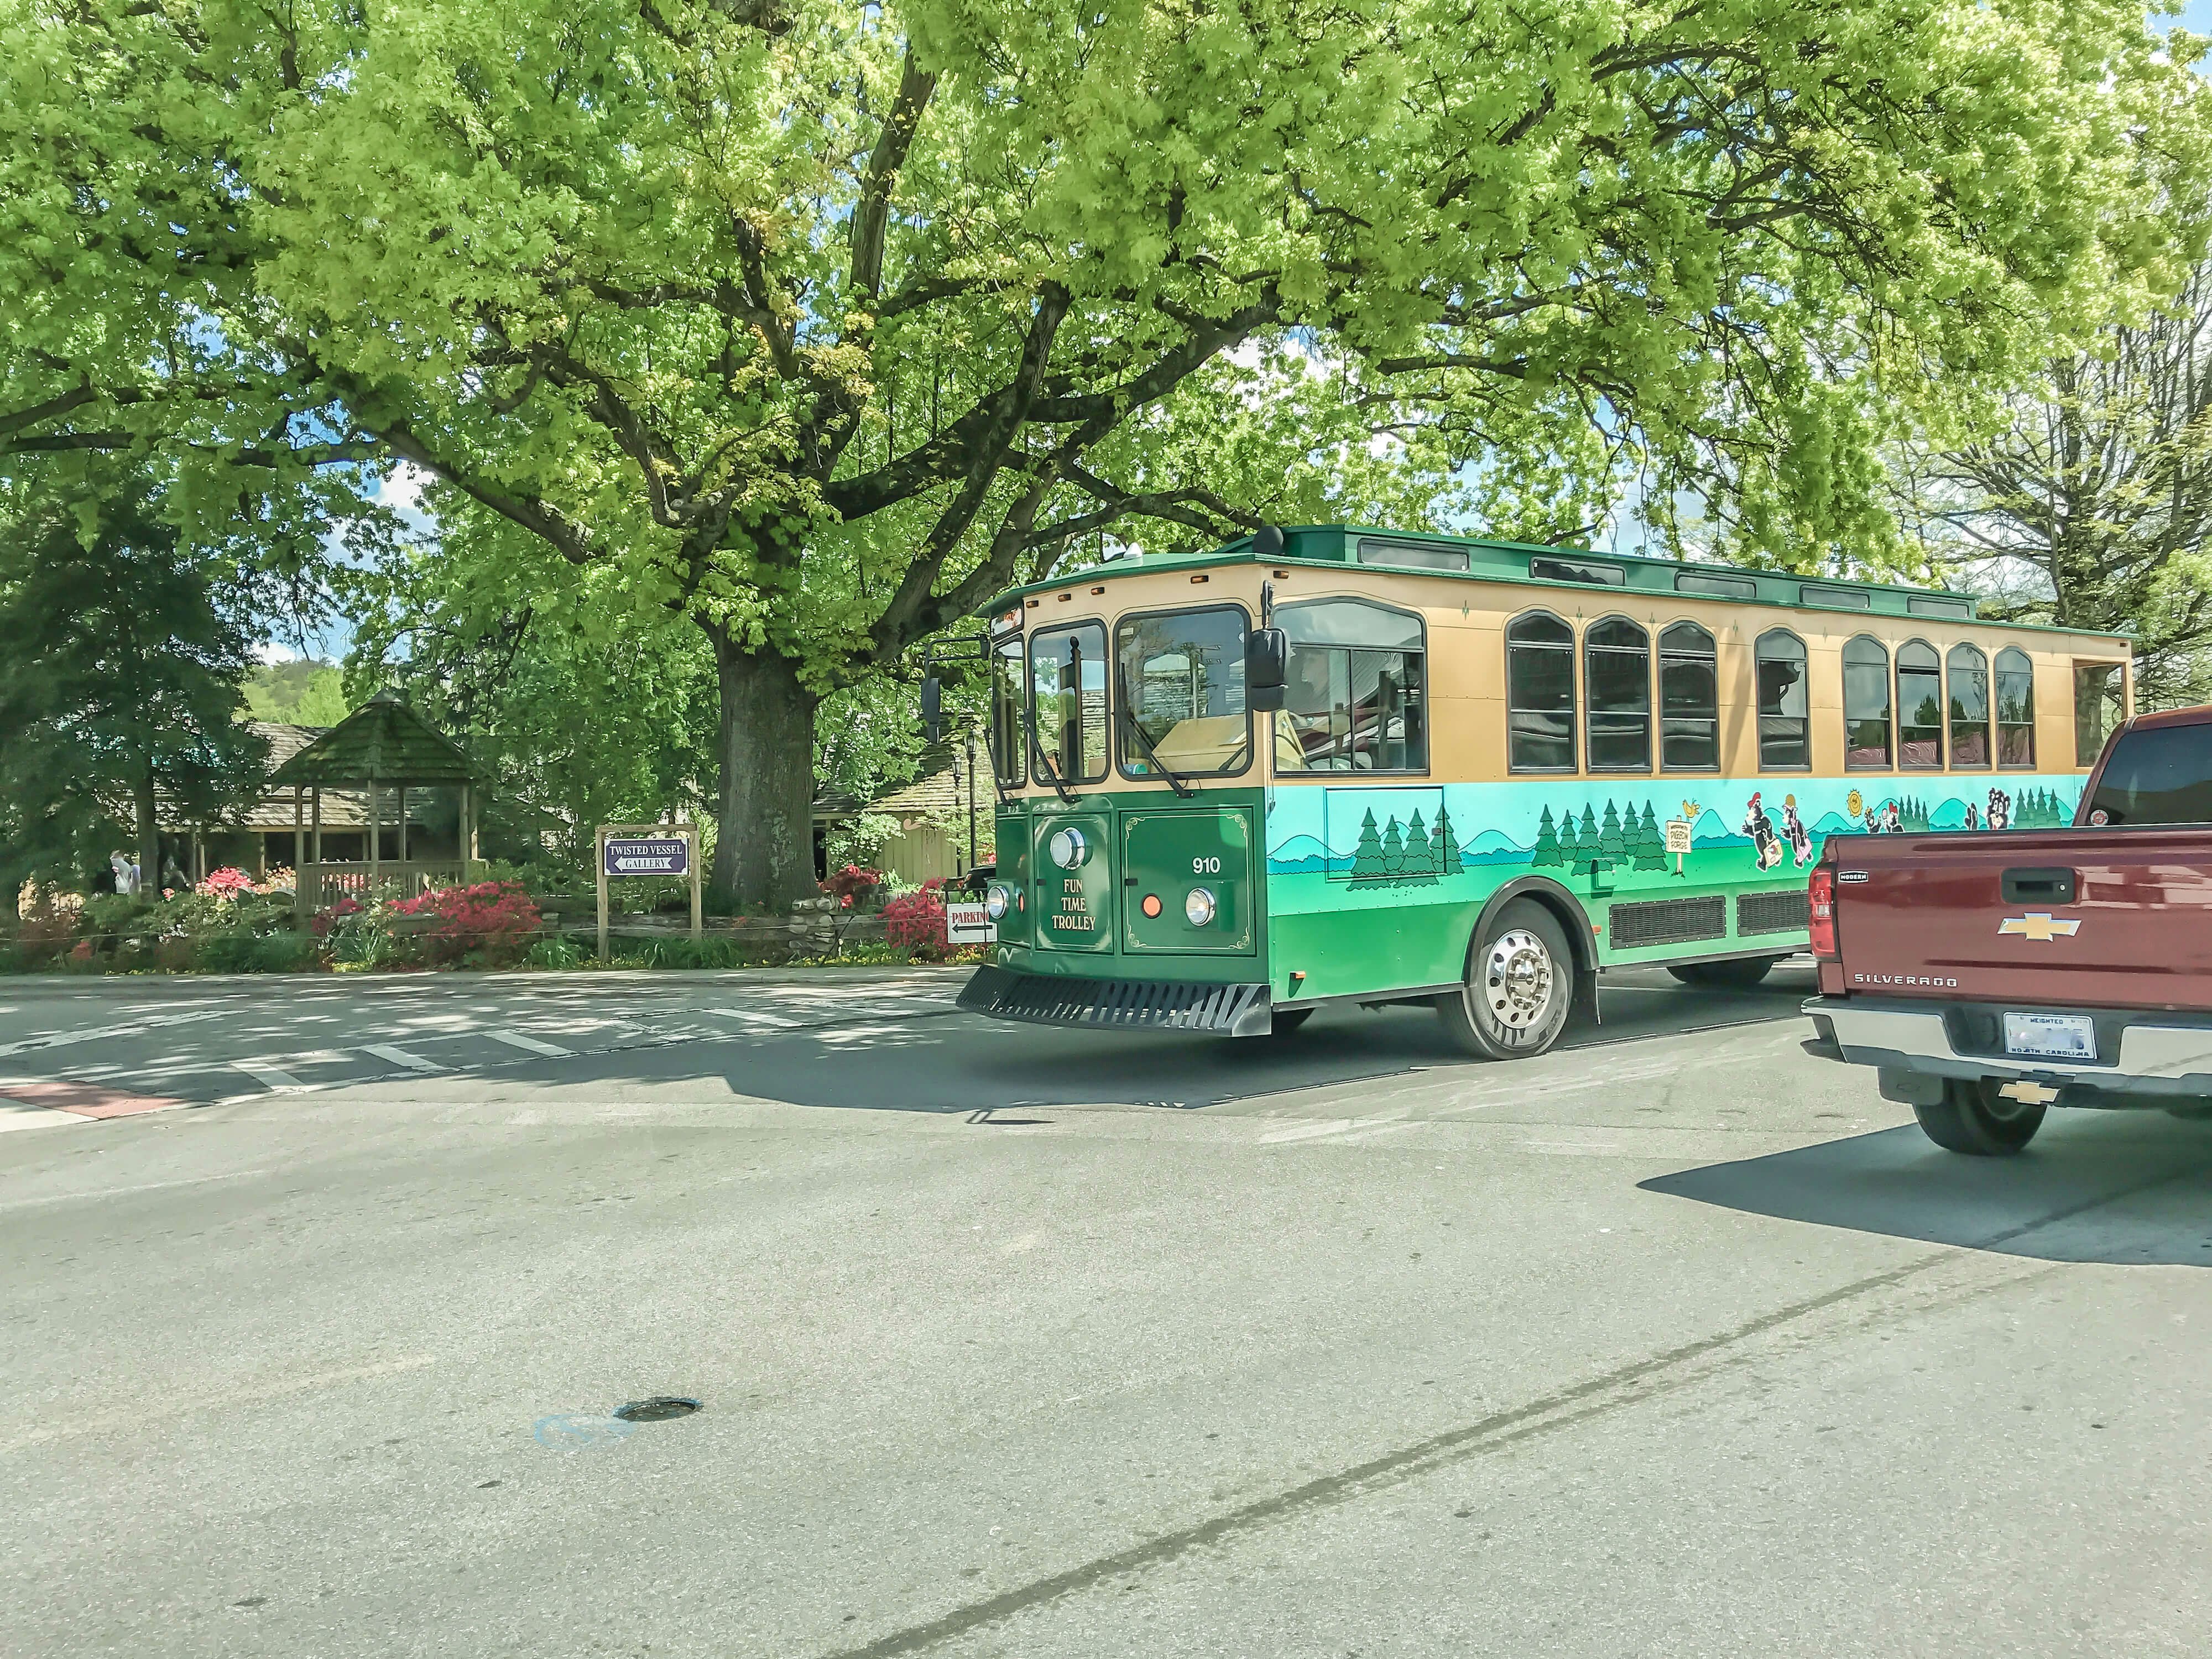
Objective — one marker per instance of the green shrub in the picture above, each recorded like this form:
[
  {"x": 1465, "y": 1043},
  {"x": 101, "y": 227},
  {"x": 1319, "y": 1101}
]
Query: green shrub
[{"x": 554, "y": 951}]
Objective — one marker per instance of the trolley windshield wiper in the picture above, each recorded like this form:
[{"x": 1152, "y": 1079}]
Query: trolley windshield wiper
[
  {"x": 1037, "y": 752},
  {"x": 1144, "y": 740}
]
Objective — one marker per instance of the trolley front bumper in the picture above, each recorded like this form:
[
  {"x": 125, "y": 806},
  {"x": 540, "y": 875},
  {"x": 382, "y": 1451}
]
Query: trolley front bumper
[{"x": 1120, "y": 1004}]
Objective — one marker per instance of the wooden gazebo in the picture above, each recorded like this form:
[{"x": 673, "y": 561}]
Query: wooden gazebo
[{"x": 382, "y": 745}]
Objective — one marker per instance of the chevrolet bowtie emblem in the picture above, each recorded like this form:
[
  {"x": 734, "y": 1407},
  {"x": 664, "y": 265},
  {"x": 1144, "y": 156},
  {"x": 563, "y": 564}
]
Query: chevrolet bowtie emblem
[{"x": 2041, "y": 927}]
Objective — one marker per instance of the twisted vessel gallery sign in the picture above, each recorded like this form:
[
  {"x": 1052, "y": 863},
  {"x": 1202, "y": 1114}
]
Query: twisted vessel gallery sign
[{"x": 645, "y": 856}]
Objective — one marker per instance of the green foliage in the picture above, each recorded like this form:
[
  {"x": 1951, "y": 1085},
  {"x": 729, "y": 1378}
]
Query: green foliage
[
  {"x": 121, "y": 655},
  {"x": 303, "y": 692},
  {"x": 811, "y": 323}
]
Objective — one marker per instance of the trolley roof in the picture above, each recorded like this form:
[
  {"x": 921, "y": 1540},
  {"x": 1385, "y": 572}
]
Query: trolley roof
[{"x": 1471, "y": 558}]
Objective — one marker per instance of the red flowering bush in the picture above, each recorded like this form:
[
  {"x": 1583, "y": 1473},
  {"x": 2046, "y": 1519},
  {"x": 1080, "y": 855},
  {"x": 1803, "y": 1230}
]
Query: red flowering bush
[
  {"x": 915, "y": 921},
  {"x": 854, "y": 885},
  {"x": 224, "y": 884},
  {"x": 489, "y": 925},
  {"x": 324, "y": 920}
]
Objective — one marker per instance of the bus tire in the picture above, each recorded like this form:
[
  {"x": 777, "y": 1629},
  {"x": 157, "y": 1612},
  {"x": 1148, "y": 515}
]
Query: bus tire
[
  {"x": 1739, "y": 975},
  {"x": 1287, "y": 1020},
  {"x": 1520, "y": 986},
  {"x": 1974, "y": 1118}
]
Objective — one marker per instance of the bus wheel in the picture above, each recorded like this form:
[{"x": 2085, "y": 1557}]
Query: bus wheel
[
  {"x": 1974, "y": 1118},
  {"x": 1287, "y": 1020},
  {"x": 1520, "y": 987},
  {"x": 1739, "y": 974}
]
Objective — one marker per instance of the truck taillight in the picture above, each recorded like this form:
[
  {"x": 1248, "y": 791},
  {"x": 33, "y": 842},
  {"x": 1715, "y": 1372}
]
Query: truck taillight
[{"x": 1822, "y": 891}]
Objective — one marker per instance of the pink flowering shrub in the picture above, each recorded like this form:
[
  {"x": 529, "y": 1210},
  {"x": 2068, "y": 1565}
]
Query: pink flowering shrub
[
  {"x": 224, "y": 884},
  {"x": 915, "y": 922},
  {"x": 489, "y": 925}
]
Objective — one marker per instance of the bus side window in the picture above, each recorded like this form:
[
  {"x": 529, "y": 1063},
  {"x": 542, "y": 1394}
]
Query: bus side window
[
  {"x": 1784, "y": 741},
  {"x": 1689, "y": 700},
  {"x": 1617, "y": 671},
  {"x": 1356, "y": 696},
  {"x": 1919, "y": 706},
  {"x": 1540, "y": 693},
  {"x": 2015, "y": 707},
  {"x": 1969, "y": 707},
  {"x": 2097, "y": 708},
  {"x": 1866, "y": 705}
]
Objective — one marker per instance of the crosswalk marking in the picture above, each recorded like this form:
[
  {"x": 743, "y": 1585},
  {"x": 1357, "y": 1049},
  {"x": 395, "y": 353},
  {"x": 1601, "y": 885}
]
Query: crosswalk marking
[
  {"x": 399, "y": 1056},
  {"x": 266, "y": 1074},
  {"x": 534, "y": 1045}
]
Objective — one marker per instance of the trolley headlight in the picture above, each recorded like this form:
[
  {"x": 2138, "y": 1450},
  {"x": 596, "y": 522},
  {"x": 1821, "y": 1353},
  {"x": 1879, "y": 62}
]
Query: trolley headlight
[
  {"x": 995, "y": 903},
  {"x": 1198, "y": 906},
  {"x": 1069, "y": 848}
]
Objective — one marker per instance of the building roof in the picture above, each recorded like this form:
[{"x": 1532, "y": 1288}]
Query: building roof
[
  {"x": 383, "y": 741},
  {"x": 939, "y": 794}
]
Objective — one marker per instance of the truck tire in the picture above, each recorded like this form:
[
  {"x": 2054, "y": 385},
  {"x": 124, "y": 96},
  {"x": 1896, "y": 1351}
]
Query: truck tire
[
  {"x": 1740, "y": 975},
  {"x": 1974, "y": 1118},
  {"x": 1520, "y": 987}
]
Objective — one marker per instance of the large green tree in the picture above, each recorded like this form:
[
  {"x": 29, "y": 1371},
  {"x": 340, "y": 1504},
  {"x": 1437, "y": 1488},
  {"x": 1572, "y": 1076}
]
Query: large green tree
[
  {"x": 122, "y": 652},
  {"x": 816, "y": 322}
]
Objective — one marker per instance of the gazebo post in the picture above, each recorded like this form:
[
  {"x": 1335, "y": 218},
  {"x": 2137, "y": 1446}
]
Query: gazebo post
[
  {"x": 311, "y": 898},
  {"x": 299, "y": 834},
  {"x": 404, "y": 886},
  {"x": 375, "y": 841},
  {"x": 468, "y": 847}
]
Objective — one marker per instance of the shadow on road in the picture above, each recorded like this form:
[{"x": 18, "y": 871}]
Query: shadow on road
[
  {"x": 2125, "y": 1188},
  {"x": 967, "y": 1064}
]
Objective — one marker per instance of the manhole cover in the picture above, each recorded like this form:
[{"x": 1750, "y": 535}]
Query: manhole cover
[{"x": 659, "y": 1409}]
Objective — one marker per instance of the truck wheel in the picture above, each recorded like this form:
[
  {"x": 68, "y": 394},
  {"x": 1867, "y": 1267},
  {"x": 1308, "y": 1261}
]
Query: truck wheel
[
  {"x": 1974, "y": 1118},
  {"x": 1739, "y": 974},
  {"x": 1520, "y": 987},
  {"x": 1287, "y": 1020}
]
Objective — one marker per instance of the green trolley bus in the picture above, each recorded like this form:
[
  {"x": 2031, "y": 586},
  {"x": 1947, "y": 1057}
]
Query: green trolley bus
[{"x": 1336, "y": 764}]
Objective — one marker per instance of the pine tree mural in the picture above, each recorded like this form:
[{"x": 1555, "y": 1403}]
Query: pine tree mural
[
  {"x": 1444, "y": 840},
  {"x": 1394, "y": 849},
  {"x": 1419, "y": 858},
  {"x": 1367, "y": 869},
  {"x": 1650, "y": 844},
  {"x": 1569, "y": 850},
  {"x": 1548, "y": 840},
  {"x": 1610, "y": 845},
  {"x": 1587, "y": 843}
]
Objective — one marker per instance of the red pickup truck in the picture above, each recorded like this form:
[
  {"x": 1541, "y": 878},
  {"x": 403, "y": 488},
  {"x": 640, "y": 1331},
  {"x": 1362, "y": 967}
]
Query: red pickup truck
[{"x": 1990, "y": 976}]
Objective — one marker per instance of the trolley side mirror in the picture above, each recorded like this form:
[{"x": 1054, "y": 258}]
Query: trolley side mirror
[
  {"x": 1266, "y": 669},
  {"x": 932, "y": 710}
]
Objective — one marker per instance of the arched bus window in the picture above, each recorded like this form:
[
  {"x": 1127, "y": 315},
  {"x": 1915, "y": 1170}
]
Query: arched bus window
[
  {"x": 1784, "y": 742},
  {"x": 1356, "y": 700},
  {"x": 1617, "y": 682},
  {"x": 1866, "y": 705},
  {"x": 1689, "y": 700},
  {"x": 1969, "y": 674},
  {"x": 1919, "y": 706},
  {"x": 2015, "y": 689},
  {"x": 1540, "y": 693}
]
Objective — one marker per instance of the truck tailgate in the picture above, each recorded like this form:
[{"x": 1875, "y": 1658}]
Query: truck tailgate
[{"x": 2112, "y": 918}]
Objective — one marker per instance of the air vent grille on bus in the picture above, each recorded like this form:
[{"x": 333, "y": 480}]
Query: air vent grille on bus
[
  {"x": 1773, "y": 913},
  {"x": 1668, "y": 922}
]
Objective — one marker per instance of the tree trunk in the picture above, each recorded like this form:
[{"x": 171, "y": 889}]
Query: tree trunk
[
  {"x": 150, "y": 837},
  {"x": 764, "y": 841}
]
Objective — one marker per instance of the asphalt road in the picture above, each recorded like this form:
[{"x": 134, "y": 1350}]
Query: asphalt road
[{"x": 1011, "y": 1341}]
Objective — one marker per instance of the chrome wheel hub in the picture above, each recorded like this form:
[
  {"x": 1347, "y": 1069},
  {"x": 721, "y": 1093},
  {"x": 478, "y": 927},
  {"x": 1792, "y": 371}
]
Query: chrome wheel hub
[{"x": 1516, "y": 979}]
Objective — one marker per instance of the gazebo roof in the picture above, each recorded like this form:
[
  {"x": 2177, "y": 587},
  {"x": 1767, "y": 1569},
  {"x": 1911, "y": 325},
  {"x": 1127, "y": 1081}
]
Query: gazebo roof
[{"x": 383, "y": 740}]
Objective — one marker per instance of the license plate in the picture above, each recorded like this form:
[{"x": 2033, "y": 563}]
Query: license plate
[{"x": 2051, "y": 1037}]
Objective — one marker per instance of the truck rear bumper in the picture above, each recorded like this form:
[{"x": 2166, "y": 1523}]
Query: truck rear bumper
[
  {"x": 1121, "y": 1004},
  {"x": 2156, "y": 1054}
]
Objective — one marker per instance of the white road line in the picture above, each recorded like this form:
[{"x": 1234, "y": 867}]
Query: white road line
[
  {"x": 21, "y": 1115},
  {"x": 119, "y": 1192},
  {"x": 100, "y": 1033},
  {"x": 519, "y": 1040},
  {"x": 1377, "y": 1132},
  {"x": 1307, "y": 1131},
  {"x": 399, "y": 1056},
  {"x": 750, "y": 1015},
  {"x": 267, "y": 1074},
  {"x": 181, "y": 1402}
]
